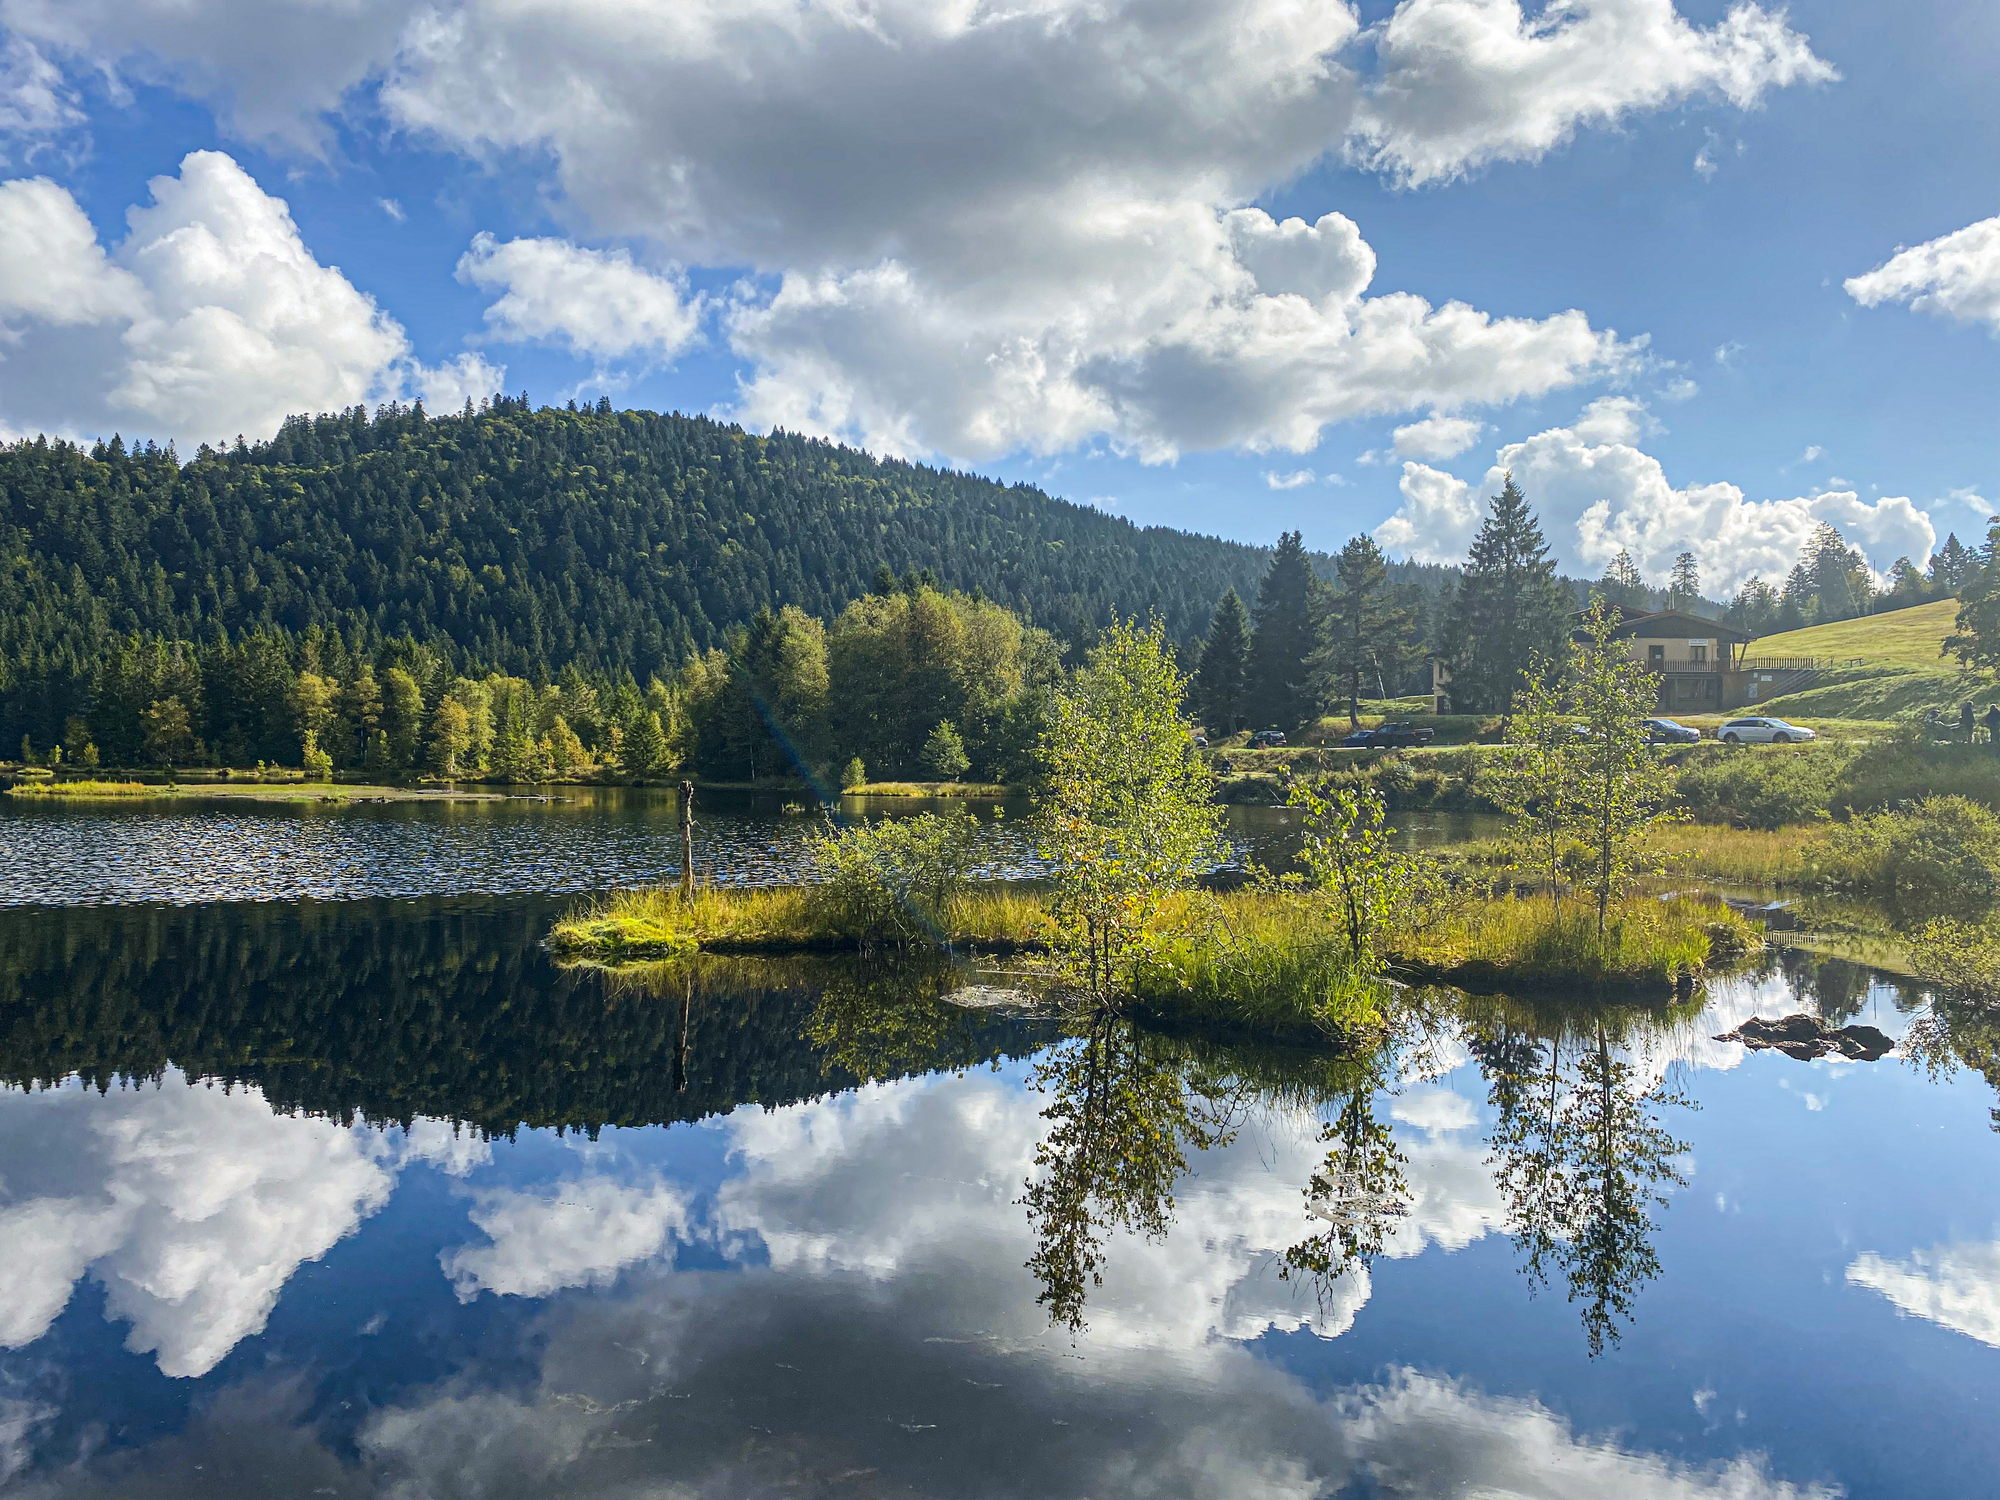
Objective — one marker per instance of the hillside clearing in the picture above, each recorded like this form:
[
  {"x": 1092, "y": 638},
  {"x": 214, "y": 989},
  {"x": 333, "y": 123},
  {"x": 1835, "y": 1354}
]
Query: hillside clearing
[{"x": 1905, "y": 637}]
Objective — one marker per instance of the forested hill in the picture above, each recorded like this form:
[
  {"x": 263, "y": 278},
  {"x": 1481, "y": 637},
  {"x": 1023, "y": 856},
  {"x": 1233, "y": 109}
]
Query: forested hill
[{"x": 527, "y": 540}]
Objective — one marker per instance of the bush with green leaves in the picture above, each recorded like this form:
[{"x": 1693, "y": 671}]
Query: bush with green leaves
[
  {"x": 1937, "y": 857},
  {"x": 853, "y": 774},
  {"x": 1763, "y": 787},
  {"x": 891, "y": 881},
  {"x": 1126, "y": 813},
  {"x": 944, "y": 752},
  {"x": 1372, "y": 888}
]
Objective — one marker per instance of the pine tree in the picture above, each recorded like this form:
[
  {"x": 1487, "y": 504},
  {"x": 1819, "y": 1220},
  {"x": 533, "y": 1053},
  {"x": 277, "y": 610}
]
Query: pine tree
[
  {"x": 1684, "y": 587},
  {"x": 645, "y": 746},
  {"x": 1365, "y": 632},
  {"x": 1976, "y": 640},
  {"x": 1280, "y": 683},
  {"x": 1222, "y": 684},
  {"x": 1510, "y": 609},
  {"x": 1950, "y": 566},
  {"x": 1624, "y": 584},
  {"x": 1754, "y": 608}
]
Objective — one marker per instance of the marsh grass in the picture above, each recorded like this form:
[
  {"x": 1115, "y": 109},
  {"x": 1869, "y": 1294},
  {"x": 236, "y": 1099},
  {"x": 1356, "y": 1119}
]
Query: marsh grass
[
  {"x": 969, "y": 791},
  {"x": 85, "y": 789},
  {"x": 633, "y": 926},
  {"x": 1257, "y": 961},
  {"x": 1532, "y": 942}
]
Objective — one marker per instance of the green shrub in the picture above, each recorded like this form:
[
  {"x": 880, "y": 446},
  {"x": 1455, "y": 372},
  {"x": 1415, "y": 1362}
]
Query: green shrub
[
  {"x": 891, "y": 881},
  {"x": 1763, "y": 787},
  {"x": 853, "y": 774},
  {"x": 1938, "y": 857}
]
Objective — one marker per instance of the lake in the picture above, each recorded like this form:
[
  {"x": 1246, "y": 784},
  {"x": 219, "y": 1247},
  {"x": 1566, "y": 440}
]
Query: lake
[
  {"x": 573, "y": 840},
  {"x": 340, "y": 1187}
]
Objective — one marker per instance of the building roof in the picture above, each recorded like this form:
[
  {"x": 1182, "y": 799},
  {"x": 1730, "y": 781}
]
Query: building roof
[{"x": 1674, "y": 623}]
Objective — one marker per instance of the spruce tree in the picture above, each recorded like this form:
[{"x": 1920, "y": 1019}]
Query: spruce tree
[
  {"x": 1684, "y": 588},
  {"x": 1280, "y": 686},
  {"x": 1976, "y": 640},
  {"x": 1510, "y": 610},
  {"x": 1223, "y": 682},
  {"x": 1950, "y": 566},
  {"x": 1624, "y": 584},
  {"x": 1366, "y": 631}
]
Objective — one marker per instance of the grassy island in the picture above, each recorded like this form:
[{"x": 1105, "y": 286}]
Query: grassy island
[
  {"x": 1127, "y": 819},
  {"x": 241, "y": 791}
]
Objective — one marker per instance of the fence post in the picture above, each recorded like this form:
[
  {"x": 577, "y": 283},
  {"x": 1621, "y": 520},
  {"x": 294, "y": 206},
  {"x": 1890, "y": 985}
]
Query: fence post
[{"x": 687, "y": 841}]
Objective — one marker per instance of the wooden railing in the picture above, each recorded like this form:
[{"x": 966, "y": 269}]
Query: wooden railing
[{"x": 1796, "y": 663}]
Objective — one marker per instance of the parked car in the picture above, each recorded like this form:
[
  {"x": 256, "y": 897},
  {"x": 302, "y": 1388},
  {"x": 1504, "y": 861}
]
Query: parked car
[
  {"x": 1266, "y": 739},
  {"x": 1361, "y": 739},
  {"x": 1201, "y": 742},
  {"x": 1762, "y": 732},
  {"x": 1401, "y": 735},
  {"x": 1667, "y": 732}
]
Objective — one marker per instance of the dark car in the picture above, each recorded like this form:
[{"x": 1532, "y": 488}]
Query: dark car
[
  {"x": 1667, "y": 732},
  {"x": 1361, "y": 739},
  {"x": 1401, "y": 736},
  {"x": 1266, "y": 739}
]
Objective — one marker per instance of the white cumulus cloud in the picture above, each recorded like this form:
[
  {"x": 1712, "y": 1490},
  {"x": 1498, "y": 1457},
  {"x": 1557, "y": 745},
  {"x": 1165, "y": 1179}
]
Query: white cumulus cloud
[
  {"x": 1467, "y": 82},
  {"x": 210, "y": 318},
  {"x": 190, "y": 1205},
  {"x": 1437, "y": 437},
  {"x": 990, "y": 229},
  {"x": 1294, "y": 479},
  {"x": 596, "y": 301},
  {"x": 580, "y": 1232},
  {"x": 1957, "y": 276},
  {"x": 1598, "y": 498}
]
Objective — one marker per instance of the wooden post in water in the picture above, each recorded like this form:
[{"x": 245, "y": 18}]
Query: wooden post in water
[{"x": 687, "y": 841}]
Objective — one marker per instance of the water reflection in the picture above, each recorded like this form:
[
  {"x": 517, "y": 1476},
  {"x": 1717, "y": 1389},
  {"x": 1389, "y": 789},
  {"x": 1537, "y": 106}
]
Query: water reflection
[{"x": 890, "y": 1243}]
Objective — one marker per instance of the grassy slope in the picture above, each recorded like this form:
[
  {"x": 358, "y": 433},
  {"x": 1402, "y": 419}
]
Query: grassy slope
[
  {"x": 1904, "y": 666},
  {"x": 1903, "y": 638}
]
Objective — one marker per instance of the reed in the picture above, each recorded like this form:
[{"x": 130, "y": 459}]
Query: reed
[
  {"x": 1256, "y": 961},
  {"x": 1534, "y": 942},
  {"x": 631, "y": 926}
]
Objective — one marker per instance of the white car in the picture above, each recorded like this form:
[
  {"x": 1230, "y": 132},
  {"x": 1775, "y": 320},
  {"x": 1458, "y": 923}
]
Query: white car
[{"x": 1762, "y": 732}]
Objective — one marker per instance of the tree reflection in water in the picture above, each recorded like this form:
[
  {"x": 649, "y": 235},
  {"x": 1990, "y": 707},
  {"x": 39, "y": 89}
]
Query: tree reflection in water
[
  {"x": 1359, "y": 1192},
  {"x": 1124, "y": 1105},
  {"x": 1578, "y": 1151},
  {"x": 1581, "y": 1159}
]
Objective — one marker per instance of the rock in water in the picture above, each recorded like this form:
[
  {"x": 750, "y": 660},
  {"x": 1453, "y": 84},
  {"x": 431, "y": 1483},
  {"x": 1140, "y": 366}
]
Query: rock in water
[{"x": 1807, "y": 1037}]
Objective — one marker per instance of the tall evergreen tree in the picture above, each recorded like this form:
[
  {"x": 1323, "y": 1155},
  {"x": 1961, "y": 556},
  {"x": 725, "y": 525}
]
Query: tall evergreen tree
[
  {"x": 1624, "y": 584},
  {"x": 1950, "y": 566},
  {"x": 1223, "y": 683},
  {"x": 1280, "y": 681},
  {"x": 1510, "y": 607},
  {"x": 1976, "y": 640},
  {"x": 1754, "y": 608},
  {"x": 1366, "y": 632},
  {"x": 1684, "y": 587}
]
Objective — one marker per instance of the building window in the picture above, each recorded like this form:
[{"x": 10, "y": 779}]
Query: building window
[
  {"x": 1698, "y": 655},
  {"x": 1656, "y": 656}
]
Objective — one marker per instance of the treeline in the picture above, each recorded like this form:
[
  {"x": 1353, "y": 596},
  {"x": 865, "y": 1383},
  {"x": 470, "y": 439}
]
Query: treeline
[
  {"x": 1313, "y": 645},
  {"x": 524, "y": 543},
  {"x": 1832, "y": 581}
]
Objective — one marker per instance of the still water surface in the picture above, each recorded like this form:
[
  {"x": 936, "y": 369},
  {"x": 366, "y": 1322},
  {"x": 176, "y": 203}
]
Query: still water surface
[
  {"x": 577, "y": 839},
  {"x": 366, "y": 1197}
]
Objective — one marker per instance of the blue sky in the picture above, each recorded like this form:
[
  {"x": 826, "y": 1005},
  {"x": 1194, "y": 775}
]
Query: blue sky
[{"x": 1055, "y": 242}]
